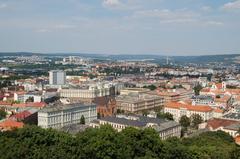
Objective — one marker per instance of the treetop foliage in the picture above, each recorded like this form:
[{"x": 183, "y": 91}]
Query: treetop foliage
[{"x": 32, "y": 142}]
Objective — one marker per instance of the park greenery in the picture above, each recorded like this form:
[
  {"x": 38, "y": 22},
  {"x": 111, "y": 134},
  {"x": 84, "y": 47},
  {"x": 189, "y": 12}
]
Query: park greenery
[
  {"x": 32, "y": 142},
  {"x": 151, "y": 87}
]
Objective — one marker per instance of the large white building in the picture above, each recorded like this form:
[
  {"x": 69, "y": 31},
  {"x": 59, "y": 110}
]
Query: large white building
[
  {"x": 24, "y": 97},
  {"x": 92, "y": 90},
  {"x": 57, "y": 77},
  {"x": 58, "y": 116},
  {"x": 178, "y": 109},
  {"x": 84, "y": 93}
]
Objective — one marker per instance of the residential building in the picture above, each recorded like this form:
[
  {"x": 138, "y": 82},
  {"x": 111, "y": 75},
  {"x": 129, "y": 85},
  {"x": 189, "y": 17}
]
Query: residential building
[
  {"x": 232, "y": 116},
  {"x": 175, "y": 94},
  {"x": 178, "y": 109},
  {"x": 227, "y": 125},
  {"x": 165, "y": 128},
  {"x": 137, "y": 102},
  {"x": 202, "y": 100}
]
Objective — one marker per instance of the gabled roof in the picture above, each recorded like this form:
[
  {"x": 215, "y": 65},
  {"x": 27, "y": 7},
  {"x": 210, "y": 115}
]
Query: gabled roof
[
  {"x": 216, "y": 123},
  {"x": 21, "y": 115}
]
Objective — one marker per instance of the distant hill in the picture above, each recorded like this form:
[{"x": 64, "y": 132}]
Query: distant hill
[
  {"x": 231, "y": 58},
  {"x": 19, "y": 54},
  {"x": 202, "y": 59}
]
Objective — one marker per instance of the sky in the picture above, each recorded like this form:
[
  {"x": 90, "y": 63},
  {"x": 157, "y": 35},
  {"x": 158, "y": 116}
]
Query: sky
[{"x": 161, "y": 27}]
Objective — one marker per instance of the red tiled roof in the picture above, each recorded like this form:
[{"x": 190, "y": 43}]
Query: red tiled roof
[
  {"x": 5, "y": 103},
  {"x": 19, "y": 105},
  {"x": 21, "y": 115},
  {"x": 218, "y": 110},
  {"x": 199, "y": 108},
  {"x": 237, "y": 140},
  {"x": 216, "y": 123},
  {"x": 36, "y": 104},
  {"x": 205, "y": 90},
  {"x": 9, "y": 124}
]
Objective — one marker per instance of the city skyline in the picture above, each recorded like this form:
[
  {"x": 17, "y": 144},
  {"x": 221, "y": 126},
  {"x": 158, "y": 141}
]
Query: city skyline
[{"x": 160, "y": 27}]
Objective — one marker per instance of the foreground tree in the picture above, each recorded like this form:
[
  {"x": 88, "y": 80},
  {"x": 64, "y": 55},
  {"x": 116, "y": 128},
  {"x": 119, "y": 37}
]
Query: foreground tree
[{"x": 106, "y": 143}]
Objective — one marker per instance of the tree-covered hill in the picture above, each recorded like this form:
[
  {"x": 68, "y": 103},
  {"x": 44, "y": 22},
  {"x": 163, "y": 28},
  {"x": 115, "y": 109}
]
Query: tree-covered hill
[{"x": 33, "y": 142}]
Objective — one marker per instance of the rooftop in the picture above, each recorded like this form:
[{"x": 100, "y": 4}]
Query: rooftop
[
  {"x": 141, "y": 121},
  {"x": 234, "y": 116},
  {"x": 60, "y": 107},
  {"x": 216, "y": 123},
  {"x": 178, "y": 105}
]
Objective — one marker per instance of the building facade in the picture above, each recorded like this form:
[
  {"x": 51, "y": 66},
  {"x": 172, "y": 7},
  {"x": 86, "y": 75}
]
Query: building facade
[
  {"x": 135, "y": 103},
  {"x": 63, "y": 115},
  {"x": 178, "y": 110},
  {"x": 164, "y": 127},
  {"x": 57, "y": 77}
]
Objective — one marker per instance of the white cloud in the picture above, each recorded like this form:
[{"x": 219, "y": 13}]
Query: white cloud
[
  {"x": 167, "y": 16},
  {"x": 213, "y": 23},
  {"x": 232, "y": 5},
  {"x": 3, "y": 6},
  {"x": 206, "y": 8},
  {"x": 57, "y": 27},
  {"x": 120, "y": 5},
  {"x": 43, "y": 30},
  {"x": 65, "y": 26},
  {"x": 111, "y": 3}
]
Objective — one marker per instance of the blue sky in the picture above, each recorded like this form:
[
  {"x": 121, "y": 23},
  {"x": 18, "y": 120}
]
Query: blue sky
[{"x": 164, "y": 27}]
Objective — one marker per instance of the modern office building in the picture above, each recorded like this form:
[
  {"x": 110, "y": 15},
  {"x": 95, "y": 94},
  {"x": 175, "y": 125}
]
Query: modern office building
[
  {"x": 164, "y": 127},
  {"x": 57, "y": 77},
  {"x": 59, "y": 115}
]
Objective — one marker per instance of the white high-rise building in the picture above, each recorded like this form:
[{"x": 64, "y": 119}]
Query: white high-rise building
[{"x": 57, "y": 77}]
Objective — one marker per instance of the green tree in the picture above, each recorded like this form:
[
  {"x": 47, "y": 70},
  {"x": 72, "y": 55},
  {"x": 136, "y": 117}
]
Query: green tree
[
  {"x": 185, "y": 121},
  {"x": 151, "y": 87},
  {"x": 30, "y": 99},
  {"x": 82, "y": 120},
  {"x": 167, "y": 115},
  {"x": 196, "y": 119},
  {"x": 3, "y": 114},
  {"x": 106, "y": 143},
  {"x": 145, "y": 113},
  {"x": 197, "y": 89},
  {"x": 98, "y": 115}
]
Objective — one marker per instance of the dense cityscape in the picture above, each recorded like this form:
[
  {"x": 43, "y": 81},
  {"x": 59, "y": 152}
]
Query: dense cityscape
[
  {"x": 189, "y": 111},
  {"x": 119, "y": 79}
]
